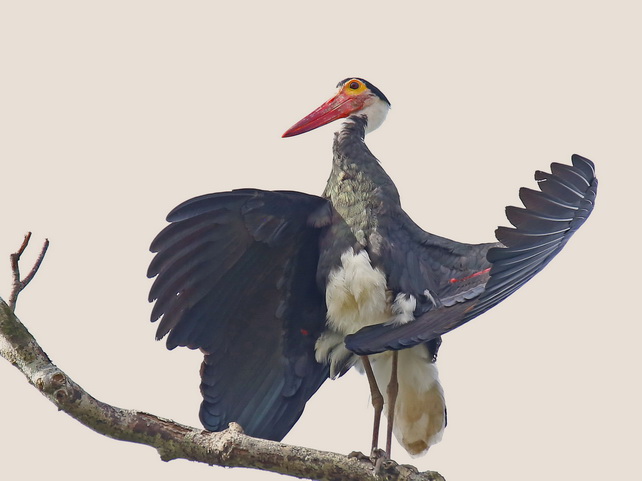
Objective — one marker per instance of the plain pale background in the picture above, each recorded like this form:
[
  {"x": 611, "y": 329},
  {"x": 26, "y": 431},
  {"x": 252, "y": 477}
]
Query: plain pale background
[{"x": 111, "y": 113}]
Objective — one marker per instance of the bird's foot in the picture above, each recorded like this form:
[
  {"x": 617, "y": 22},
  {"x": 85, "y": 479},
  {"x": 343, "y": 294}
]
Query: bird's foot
[
  {"x": 378, "y": 458},
  {"x": 381, "y": 461},
  {"x": 378, "y": 453},
  {"x": 359, "y": 456}
]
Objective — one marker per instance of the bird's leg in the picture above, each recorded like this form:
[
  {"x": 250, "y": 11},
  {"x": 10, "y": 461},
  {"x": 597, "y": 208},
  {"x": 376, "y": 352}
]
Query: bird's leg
[
  {"x": 377, "y": 401},
  {"x": 393, "y": 390}
]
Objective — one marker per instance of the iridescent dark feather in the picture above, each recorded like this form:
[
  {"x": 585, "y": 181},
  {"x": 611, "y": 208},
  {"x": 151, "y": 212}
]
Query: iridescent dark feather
[
  {"x": 540, "y": 231},
  {"x": 232, "y": 279}
]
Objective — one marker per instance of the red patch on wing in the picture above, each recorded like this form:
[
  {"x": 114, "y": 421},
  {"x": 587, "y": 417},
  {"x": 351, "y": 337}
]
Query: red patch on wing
[{"x": 475, "y": 274}]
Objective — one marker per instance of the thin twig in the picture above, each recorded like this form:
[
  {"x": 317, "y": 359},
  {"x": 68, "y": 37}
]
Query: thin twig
[{"x": 19, "y": 284}]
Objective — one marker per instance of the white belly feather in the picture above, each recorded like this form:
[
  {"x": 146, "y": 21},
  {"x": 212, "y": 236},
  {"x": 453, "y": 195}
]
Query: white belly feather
[{"x": 357, "y": 296}]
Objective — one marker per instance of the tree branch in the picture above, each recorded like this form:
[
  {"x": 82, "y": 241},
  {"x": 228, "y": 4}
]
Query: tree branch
[
  {"x": 19, "y": 284},
  {"x": 172, "y": 440}
]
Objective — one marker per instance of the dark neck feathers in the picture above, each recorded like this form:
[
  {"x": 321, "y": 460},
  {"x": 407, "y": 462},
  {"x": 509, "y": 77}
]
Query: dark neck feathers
[{"x": 359, "y": 189}]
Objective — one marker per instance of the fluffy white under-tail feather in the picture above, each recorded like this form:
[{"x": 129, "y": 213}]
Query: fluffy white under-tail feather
[{"x": 420, "y": 409}]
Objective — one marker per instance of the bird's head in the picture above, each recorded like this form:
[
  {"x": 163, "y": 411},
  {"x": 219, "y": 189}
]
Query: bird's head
[{"x": 355, "y": 97}]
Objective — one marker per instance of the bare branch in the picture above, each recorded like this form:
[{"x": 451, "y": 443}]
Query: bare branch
[
  {"x": 19, "y": 284},
  {"x": 229, "y": 448}
]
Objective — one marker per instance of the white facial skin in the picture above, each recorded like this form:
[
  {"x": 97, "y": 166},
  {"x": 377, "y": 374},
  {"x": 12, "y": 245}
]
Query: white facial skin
[{"x": 376, "y": 113}]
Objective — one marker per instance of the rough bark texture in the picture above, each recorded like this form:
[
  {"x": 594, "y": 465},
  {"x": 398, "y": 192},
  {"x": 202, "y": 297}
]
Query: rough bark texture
[{"x": 229, "y": 448}]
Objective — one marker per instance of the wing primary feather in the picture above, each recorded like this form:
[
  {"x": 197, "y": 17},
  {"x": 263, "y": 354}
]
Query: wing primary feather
[{"x": 229, "y": 271}]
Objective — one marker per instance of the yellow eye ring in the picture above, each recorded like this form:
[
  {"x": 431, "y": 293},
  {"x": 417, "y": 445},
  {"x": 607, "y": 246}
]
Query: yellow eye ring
[{"x": 354, "y": 87}]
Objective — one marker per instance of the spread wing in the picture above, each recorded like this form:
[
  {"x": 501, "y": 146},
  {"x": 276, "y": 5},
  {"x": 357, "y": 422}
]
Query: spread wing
[
  {"x": 470, "y": 279},
  {"x": 235, "y": 277}
]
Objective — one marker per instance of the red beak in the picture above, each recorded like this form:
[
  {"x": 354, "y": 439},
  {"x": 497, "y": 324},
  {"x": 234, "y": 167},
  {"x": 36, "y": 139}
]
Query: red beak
[{"x": 338, "y": 107}]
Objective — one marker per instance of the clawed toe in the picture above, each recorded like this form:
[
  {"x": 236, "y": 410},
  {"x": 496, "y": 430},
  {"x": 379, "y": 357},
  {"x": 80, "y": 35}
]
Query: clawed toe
[{"x": 359, "y": 456}]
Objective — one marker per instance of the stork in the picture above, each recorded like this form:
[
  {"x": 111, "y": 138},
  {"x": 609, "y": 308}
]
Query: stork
[{"x": 281, "y": 290}]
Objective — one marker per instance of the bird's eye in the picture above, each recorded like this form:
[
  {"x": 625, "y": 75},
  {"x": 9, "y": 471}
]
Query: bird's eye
[{"x": 354, "y": 85}]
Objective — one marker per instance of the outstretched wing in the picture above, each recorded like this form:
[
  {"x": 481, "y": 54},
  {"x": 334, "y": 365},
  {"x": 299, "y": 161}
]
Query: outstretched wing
[
  {"x": 235, "y": 277},
  {"x": 541, "y": 229}
]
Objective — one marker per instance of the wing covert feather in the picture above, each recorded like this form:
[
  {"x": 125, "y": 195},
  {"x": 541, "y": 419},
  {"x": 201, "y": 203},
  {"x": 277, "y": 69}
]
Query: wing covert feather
[{"x": 540, "y": 231}]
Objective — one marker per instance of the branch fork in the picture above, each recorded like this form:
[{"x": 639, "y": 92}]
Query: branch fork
[{"x": 19, "y": 284}]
